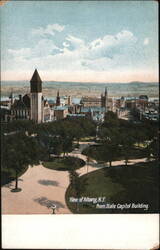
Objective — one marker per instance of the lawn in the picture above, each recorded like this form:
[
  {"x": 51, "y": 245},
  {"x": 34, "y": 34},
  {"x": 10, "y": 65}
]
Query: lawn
[
  {"x": 136, "y": 184},
  {"x": 87, "y": 139},
  {"x": 64, "y": 163},
  {"x": 140, "y": 145}
]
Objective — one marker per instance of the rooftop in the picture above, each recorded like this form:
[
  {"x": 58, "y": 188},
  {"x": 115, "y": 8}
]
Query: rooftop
[
  {"x": 36, "y": 77},
  {"x": 93, "y": 109},
  {"x": 60, "y": 108}
]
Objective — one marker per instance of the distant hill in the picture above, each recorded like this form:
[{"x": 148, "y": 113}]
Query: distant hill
[{"x": 138, "y": 82}]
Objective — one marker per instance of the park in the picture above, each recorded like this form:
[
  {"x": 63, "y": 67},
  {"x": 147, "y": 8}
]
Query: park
[{"x": 43, "y": 165}]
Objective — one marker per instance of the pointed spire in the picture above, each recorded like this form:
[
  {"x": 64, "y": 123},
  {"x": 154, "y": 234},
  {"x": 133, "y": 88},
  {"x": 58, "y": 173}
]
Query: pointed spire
[
  {"x": 36, "y": 83},
  {"x": 11, "y": 94},
  {"x": 36, "y": 77},
  {"x": 58, "y": 101},
  {"x": 105, "y": 90}
]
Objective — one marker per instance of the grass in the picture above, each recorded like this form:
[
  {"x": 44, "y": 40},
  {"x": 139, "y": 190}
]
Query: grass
[
  {"x": 86, "y": 139},
  {"x": 64, "y": 163},
  {"x": 140, "y": 145},
  {"x": 119, "y": 185}
]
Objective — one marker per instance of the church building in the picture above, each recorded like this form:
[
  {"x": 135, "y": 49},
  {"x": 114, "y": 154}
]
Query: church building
[{"x": 31, "y": 106}]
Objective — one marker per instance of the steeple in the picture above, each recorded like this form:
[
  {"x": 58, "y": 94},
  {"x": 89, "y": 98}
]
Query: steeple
[
  {"x": 11, "y": 97},
  {"x": 106, "y": 92},
  {"x": 36, "y": 82},
  {"x": 69, "y": 100},
  {"x": 58, "y": 102},
  {"x": 104, "y": 99}
]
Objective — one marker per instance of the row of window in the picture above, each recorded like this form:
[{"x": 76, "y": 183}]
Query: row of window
[{"x": 20, "y": 113}]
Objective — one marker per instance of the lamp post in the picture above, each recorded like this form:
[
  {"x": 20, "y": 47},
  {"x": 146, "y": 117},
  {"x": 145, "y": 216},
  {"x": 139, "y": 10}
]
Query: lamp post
[{"x": 53, "y": 208}]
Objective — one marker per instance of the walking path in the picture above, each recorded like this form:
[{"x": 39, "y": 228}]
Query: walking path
[{"x": 43, "y": 188}]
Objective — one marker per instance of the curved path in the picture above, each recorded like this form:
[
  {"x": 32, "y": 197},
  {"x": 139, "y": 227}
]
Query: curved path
[{"x": 42, "y": 188}]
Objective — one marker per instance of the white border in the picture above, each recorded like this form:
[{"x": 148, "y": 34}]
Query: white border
[{"x": 134, "y": 231}]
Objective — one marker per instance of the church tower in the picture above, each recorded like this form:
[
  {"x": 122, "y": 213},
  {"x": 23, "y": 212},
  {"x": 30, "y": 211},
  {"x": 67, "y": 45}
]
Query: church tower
[
  {"x": 11, "y": 97},
  {"x": 36, "y": 97},
  {"x": 58, "y": 101},
  {"x": 69, "y": 101},
  {"x": 104, "y": 99}
]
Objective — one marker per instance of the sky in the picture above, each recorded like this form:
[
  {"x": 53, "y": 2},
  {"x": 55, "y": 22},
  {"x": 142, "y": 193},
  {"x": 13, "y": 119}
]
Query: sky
[{"x": 83, "y": 41}]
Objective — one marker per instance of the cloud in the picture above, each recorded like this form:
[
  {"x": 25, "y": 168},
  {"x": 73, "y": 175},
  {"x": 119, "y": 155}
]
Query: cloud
[
  {"x": 146, "y": 41},
  {"x": 75, "y": 42},
  {"x": 49, "y": 30},
  {"x": 110, "y": 45},
  {"x": 65, "y": 44},
  {"x": 43, "y": 48},
  {"x": 74, "y": 54},
  {"x": 24, "y": 52}
]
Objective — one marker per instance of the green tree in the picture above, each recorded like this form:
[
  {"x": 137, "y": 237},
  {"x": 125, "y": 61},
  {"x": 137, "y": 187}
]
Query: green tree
[
  {"x": 127, "y": 142},
  {"x": 153, "y": 150},
  {"x": 67, "y": 145},
  {"x": 20, "y": 151},
  {"x": 109, "y": 152},
  {"x": 78, "y": 184}
]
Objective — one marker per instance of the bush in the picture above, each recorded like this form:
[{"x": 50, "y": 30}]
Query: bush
[{"x": 64, "y": 163}]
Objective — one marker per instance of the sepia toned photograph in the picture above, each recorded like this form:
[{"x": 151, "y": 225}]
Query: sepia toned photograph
[{"x": 79, "y": 107}]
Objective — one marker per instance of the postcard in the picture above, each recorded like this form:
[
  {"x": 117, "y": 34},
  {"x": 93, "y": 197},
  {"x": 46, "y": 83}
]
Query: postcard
[{"x": 80, "y": 112}]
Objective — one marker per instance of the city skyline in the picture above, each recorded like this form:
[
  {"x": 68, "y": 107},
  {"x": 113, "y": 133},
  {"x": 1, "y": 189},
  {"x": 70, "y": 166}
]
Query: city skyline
[{"x": 80, "y": 41}]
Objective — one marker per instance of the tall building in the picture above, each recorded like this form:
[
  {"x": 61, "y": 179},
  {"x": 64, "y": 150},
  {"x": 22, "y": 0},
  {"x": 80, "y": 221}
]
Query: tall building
[
  {"x": 58, "y": 101},
  {"x": 69, "y": 101},
  {"x": 11, "y": 97},
  {"x": 36, "y": 97},
  {"x": 104, "y": 99}
]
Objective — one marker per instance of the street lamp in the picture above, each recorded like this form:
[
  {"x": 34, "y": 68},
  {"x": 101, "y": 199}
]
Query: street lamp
[{"x": 53, "y": 208}]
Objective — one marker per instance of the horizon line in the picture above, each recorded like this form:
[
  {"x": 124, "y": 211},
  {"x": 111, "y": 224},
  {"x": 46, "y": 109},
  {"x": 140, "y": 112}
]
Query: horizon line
[{"x": 82, "y": 81}]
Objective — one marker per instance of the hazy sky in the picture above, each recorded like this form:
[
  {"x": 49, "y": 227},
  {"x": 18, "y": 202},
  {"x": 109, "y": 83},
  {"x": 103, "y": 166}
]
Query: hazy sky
[{"x": 100, "y": 41}]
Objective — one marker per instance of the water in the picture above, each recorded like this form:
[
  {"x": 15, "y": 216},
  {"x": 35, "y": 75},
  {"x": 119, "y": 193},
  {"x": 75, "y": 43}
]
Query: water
[{"x": 77, "y": 88}]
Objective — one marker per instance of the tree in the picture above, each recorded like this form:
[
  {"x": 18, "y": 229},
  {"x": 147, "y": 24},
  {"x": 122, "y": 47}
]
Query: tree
[
  {"x": 109, "y": 152},
  {"x": 20, "y": 151},
  {"x": 127, "y": 142},
  {"x": 153, "y": 149},
  {"x": 19, "y": 126},
  {"x": 78, "y": 184}
]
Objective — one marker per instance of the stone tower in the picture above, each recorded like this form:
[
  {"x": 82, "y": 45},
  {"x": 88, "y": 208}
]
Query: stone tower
[
  {"x": 36, "y": 97},
  {"x": 69, "y": 101},
  {"x": 58, "y": 101},
  {"x": 11, "y": 97},
  {"x": 104, "y": 99}
]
